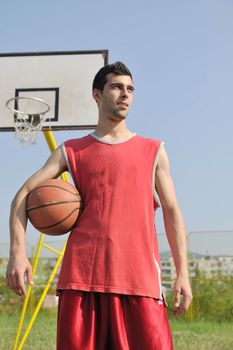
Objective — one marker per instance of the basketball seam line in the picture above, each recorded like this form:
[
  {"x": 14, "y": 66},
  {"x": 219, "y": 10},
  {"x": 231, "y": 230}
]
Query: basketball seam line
[
  {"x": 55, "y": 186},
  {"x": 50, "y": 226},
  {"x": 53, "y": 203}
]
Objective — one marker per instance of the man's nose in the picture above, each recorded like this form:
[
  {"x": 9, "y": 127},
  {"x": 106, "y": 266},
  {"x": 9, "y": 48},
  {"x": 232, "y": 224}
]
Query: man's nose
[{"x": 124, "y": 91}]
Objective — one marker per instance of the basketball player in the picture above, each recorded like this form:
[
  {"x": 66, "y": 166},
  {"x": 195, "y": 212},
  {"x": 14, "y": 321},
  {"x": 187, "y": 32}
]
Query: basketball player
[{"x": 110, "y": 293}]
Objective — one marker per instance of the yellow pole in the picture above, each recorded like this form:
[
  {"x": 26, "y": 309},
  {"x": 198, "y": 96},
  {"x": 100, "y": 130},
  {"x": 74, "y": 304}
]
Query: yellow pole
[
  {"x": 37, "y": 309},
  {"x": 52, "y": 146},
  {"x": 25, "y": 303}
]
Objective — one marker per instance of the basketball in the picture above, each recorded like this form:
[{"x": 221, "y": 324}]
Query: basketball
[{"x": 53, "y": 207}]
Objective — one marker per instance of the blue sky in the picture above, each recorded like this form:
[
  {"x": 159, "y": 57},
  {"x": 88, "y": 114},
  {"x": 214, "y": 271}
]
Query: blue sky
[{"x": 181, "y": 57}]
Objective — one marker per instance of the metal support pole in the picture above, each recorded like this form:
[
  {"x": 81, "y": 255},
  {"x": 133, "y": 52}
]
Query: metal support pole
[{"x": 52, "y": 146}]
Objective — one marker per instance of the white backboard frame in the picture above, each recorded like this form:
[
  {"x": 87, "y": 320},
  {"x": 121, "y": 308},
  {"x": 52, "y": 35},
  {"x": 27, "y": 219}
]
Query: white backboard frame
[{"x": 63, "y": 79}]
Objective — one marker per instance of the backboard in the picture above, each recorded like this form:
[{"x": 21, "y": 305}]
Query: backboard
[{"x": 62, "y": 79}]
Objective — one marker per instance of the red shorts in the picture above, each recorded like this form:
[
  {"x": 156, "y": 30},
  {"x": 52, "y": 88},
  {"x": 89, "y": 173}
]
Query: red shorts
[{"x": 108, "y": 321}]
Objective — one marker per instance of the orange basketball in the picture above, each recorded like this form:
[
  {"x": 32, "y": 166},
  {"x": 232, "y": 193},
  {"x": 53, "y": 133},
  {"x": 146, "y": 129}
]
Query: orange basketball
[{"x": 53, "y": 207}]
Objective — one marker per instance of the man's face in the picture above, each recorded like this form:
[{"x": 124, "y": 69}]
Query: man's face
[{"x": 116, "y": 98}]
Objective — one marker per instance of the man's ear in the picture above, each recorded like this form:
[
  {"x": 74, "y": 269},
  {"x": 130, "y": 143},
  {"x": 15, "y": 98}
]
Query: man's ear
[{"x": 96, "y": 95}]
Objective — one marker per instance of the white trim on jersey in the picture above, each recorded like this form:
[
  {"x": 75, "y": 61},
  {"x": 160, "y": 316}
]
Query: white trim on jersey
[
  {"x": 155, "y": 194},
  {"x": 159, "y": 276},
  {"x": 66, "y": 157}
]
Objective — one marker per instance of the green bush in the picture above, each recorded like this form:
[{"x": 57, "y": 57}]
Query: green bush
[{"x": 212, "y": 300}]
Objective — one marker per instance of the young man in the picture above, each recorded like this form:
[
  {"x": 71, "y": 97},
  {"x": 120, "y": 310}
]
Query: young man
[{"x": 110, "y": 294}]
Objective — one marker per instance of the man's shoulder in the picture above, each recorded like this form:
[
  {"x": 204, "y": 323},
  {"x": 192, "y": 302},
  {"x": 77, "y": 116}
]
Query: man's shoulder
[
  {"x": 149, "y": 140},
  {"x": 77, "y": 142}
]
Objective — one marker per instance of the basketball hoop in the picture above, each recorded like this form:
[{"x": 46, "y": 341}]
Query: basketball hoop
[{"x": 29, "y": 119}]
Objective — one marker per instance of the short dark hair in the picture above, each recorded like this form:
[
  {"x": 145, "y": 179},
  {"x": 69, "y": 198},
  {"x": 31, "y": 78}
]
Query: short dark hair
[{"x": 117, "y": 68}]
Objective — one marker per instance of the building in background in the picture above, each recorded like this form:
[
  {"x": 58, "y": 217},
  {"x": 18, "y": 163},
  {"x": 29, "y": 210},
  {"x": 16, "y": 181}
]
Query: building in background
[{"x": 202, "y": 266}]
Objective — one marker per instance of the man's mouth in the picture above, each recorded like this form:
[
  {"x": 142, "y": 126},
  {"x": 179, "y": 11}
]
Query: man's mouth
[{"x": 122, "y": 104}]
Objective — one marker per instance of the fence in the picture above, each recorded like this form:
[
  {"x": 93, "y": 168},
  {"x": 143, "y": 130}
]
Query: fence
[{"x": 199, "y": 242}]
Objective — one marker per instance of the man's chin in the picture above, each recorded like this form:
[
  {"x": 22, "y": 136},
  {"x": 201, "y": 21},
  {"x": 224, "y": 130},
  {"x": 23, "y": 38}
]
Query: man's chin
[{"x": 120, "y": 115}]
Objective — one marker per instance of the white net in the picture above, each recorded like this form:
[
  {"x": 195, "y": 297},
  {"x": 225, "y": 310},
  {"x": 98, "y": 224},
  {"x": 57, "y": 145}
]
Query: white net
[
  {"x": 27, "y": 127},
  {"x": 30, "y": 113}
]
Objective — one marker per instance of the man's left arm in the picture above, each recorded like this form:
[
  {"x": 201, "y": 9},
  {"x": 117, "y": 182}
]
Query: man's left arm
[{"x": 175, "y": 230}]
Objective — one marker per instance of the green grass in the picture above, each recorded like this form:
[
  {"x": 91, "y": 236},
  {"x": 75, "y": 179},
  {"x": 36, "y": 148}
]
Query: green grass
[
  {"x": 202, "y": 335},
  {"x": 42, "y": 335},
  {"x": 187, "y": 336}
]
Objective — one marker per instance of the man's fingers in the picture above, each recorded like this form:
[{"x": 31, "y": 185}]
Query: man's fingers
[
  {"x": 177, "y": 297},
  {"x": 187, "y": 301},
  {"x": 15, "y": 282},
  {"x": 182, "y": 308},
  {"x": 29, "y": 276},
  {"x": 178, "y": 311},
  {"x": 182, "y": 295},
  {"x": 17, "y": 269},
  {"x": 10, "y": 281},
  {"x": 21, "y": 290}
]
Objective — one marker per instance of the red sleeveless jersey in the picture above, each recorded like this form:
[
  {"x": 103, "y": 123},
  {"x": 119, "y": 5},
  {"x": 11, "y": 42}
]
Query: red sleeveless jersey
[{"x": 113, "y": 247}]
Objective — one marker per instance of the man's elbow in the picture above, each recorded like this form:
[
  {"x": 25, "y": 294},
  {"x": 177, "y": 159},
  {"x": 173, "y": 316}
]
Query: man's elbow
[{"x": 171, "y": 209}]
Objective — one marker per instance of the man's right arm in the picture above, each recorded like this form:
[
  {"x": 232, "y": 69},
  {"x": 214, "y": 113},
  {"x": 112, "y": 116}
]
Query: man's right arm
[
  {"x": 18, "y": 265},
  {"x": 176, "y": 233}
]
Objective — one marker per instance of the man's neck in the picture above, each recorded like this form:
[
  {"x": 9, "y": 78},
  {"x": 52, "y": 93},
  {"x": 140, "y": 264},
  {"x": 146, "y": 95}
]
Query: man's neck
[{"x": 115, "y": 133}]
